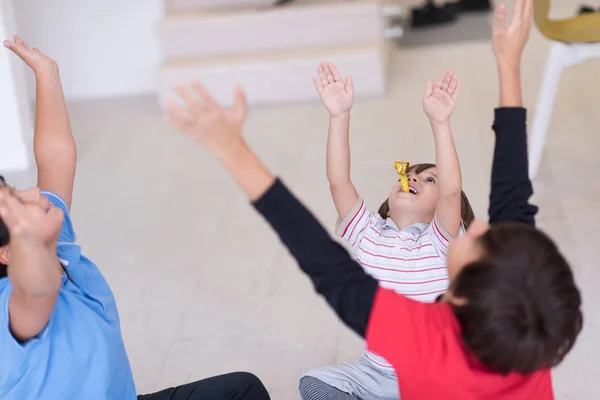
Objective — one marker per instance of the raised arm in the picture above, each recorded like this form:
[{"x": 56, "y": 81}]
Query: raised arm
[
  {"x": 337, "y": 96},
  {"x": 34, "y": 270},
  {"x": 511, "y": 187},
  {"x": 439, "y": 103},
  {"x": 53, "y": 143},
  {"x": 343, "y": 283}
]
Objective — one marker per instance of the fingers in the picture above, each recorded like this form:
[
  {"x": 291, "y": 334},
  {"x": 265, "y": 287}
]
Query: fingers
[
  {"x": 12, "y": 212},
  {"x": 456, "y": 92},
  {"x": 328, "y": 74},
  {"x": 528, "y": 12},
  {"x": 186, "y": 96},
  {"x": 349, "y": 85},
  {"x": 318, "y": 84},
  {"x": 178, "y": 116},
  {"x": 438, "y": 83},
  {"x": 448, "y": 76},
  {"x": 19, "y": 41},
  {"x": 240, "y": 104},
  {"x": 334, "y": 72},
  {"x": 322, "y": 77},
  {"x": 500, "y": 17},
  {"x": 429, "y": 90},
  {"x": 518, "y": 11},
  {"x": 453, "y": 84},
  {"x": 17, "y": 46},
  {"x": 205, "y": 96}
]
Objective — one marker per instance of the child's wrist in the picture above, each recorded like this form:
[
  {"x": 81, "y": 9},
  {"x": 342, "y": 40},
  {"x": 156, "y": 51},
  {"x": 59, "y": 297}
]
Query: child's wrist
[
  {"x": 47, "y": 70},
  {"x": 509, "y": 65},
  {"x": 232, "y": 152},
  {"x": 437, "y": 125},
  {"x": 342, "y": 115}
]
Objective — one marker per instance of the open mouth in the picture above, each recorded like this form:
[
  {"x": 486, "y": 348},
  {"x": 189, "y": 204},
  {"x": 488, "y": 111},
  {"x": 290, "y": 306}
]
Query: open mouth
[{"x": 412, "y": 190}]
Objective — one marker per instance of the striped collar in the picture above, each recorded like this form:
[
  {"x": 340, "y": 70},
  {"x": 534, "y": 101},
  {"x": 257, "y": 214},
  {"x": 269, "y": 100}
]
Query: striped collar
[{"x": 415, "y": 229}]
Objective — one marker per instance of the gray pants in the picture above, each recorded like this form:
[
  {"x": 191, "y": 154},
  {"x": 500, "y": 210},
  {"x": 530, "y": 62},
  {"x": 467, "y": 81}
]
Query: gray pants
[{"x": 360, "y": 379}]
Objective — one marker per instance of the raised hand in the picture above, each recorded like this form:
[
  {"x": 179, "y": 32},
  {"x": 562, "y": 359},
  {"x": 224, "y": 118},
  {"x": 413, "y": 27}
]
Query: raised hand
[
  {"x": 30, "y": 224},
  {"x": 441, "y": 97},
  {"x": 336, "y": 93},
  {"x": 34, "y": 58},
  {"x": 508, "y": 42},
  {"x": 216, "y": 128}
]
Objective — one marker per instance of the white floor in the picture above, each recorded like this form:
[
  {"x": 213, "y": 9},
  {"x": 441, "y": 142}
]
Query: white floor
[{"x": 203, "y": 285}]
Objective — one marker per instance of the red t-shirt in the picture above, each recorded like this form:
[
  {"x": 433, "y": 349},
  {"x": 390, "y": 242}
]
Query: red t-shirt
[{"x": 423, "y": 343}]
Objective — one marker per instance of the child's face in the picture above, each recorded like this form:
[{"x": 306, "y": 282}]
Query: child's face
[
  {"x": 420, "y": 201},
  {"x": 466, "y": 249},
  {"x": 38, "y": 211}
]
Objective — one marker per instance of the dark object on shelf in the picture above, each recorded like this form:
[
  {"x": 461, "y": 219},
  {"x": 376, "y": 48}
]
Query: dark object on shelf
[
  {"x": 282, "y": 2},
  {"x": 430, "y": 14},
  {"x": 475, "y": 5},
  {"x": 587, "y": 10}
]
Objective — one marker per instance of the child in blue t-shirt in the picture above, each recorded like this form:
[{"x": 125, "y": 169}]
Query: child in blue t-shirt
[{"x": 60, "y": 336}]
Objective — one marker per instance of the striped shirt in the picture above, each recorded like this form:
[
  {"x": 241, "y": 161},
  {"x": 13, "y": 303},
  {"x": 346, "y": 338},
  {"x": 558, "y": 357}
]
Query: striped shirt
[{"x": 411, "y": 261}]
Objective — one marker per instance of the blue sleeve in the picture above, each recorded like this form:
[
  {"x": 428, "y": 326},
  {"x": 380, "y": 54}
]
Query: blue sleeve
[
  {"x": 15, "y": 355},
  {"x": 67, "y": 234}
]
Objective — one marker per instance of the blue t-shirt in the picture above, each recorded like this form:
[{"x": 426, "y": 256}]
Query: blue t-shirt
[{"x": 80, "y": 353}]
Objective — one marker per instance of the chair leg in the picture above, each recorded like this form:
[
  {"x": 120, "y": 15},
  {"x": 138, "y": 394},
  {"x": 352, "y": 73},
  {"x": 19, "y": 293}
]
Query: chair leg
[{"x": 545, "y": 102}]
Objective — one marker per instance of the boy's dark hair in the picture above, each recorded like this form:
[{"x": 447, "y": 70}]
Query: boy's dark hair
[
  {"x": 466, "y": 212},
  {"x": 522, "y": 310},
  {"x": 3, "y": 235}
]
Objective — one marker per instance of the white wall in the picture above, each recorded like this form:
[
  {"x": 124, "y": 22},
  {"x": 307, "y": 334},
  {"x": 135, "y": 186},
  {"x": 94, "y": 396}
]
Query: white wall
[
  {"x": 16, "y": 132},
  {"x": 104, "y": 48}
]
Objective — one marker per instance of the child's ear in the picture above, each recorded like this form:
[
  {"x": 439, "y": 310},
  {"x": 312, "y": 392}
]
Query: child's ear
[
  {"x": 4, "y": 255},
  {"x": 449, "y": 298}
]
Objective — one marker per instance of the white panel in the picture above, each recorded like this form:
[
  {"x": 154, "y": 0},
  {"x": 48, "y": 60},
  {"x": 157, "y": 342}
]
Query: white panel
[
  {"x": 281, "y": 78},
  {"x": 105, "y": 48},
  {"x": 15, "y": 116},
  {"x": 282, "y": 28}
]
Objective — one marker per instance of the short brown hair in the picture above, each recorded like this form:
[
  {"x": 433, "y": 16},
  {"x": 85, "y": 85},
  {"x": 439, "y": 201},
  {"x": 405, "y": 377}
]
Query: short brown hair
[
  {"x": 466, "y": 211},
  {"x": 522, "y": 308}
]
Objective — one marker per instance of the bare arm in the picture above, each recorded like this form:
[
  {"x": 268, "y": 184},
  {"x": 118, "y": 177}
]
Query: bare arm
[
  {"x": 335, "y": 275},
  {"x": 34, "y": 270},
  {"x": 338, "y": 96},
  {"x": 439, "y": 103},
  {"x": 510, "y": 85},
  {"x": 449, "y": 181},
  {"x": 34, "y": 274},
  {"x": 343, "y": 192},
  {"x": 53, "y": 143}
]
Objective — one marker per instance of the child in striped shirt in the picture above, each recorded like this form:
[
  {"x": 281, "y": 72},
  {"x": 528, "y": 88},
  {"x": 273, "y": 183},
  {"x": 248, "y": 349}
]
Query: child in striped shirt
[{"x": 404, "y": 244}]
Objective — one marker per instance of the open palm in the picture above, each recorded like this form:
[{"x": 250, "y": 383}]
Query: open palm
[
  {"x": 34, "y": 58},
  {"x": 441, "y": 97},
  {"x": 336, "y": 94}
]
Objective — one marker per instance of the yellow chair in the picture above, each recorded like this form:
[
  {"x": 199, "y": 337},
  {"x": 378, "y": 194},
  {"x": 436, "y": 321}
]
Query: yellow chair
[
  {"x": 574, "y": 40},
  {"x": 580, "y": 29}
]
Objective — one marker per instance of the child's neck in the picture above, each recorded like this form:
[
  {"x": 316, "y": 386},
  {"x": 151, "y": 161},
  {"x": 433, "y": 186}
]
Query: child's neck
[{"x": 405, "y": 220}]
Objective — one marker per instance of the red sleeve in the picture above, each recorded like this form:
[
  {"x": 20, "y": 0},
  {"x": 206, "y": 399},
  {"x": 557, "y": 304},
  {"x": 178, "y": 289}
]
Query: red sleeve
[{"x": 402, "y": 331}]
